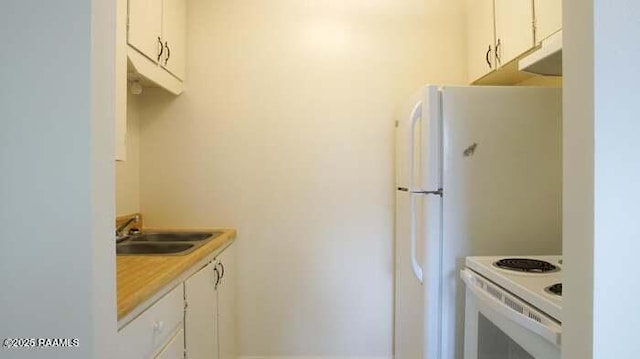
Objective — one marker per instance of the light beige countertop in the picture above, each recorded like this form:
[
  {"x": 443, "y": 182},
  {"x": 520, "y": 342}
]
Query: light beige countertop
[{"x": 142, "y": 279}]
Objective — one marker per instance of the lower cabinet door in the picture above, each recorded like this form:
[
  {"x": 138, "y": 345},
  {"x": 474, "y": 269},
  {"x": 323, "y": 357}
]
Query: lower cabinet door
[
  {"x": 227, "y": 304},
  {"x": 201, "y": 331},
  {"x": 174, "y": 349}
]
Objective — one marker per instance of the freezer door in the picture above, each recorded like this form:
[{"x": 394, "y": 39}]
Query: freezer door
[
  {"x": 428, "y": 160},
  {"x": 418, "y": 141},
  {"x": 502, "y": 183},
  {"x": 408, "y": 141}
]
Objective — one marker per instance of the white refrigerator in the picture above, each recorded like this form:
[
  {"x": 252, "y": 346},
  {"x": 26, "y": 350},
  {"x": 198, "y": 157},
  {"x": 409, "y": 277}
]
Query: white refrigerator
[{"x": 478, "y": 172}]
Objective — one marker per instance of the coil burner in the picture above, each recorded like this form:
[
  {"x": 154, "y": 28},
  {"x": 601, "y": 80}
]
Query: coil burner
[{"x": 526, "y": 265}]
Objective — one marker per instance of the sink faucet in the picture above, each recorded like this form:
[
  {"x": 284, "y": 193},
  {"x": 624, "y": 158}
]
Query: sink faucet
[{"x": 120, "y": 229}]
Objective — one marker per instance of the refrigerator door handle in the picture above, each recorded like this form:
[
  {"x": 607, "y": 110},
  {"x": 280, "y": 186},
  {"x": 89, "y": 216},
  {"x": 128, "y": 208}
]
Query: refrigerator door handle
[
  {"x": 416, "y": 114},
  {"x": 417, "y": 270},
  {"x": 438, "y": 192}
]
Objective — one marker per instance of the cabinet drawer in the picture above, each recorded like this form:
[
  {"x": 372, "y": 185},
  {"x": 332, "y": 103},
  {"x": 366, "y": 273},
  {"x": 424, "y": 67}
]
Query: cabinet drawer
[{"x": 149, "y": 332}]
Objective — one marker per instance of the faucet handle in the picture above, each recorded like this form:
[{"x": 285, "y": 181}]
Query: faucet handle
[{"x": 120, "y": 230}]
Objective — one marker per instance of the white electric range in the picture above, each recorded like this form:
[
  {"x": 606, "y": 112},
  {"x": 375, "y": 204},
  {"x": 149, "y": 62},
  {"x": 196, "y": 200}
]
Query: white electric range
[{"x": 513, "y": 307}]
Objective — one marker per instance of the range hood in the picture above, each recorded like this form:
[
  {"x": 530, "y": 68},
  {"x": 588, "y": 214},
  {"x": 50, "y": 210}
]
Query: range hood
[{"x": 547, "y": 60}]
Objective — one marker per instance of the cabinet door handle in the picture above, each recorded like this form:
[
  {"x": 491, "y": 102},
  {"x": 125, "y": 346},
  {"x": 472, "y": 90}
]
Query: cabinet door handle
[
  {"x": 487, "y": 57},
  {"x": 161, "y": 48},
  {"x": 498, "y": 61},
  {"x": 221, "y": 270},
  {"x": 166, "y": 45},
  {"x": 215, "y": 269}
]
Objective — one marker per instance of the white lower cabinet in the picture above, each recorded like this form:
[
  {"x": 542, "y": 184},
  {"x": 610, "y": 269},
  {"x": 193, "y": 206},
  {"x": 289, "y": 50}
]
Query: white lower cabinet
[
  {"x": 200, "y": 319},
  {"x": 227, "y": 304},
  {"x": 149, "y": 333},
  {"x": 210, "y": 317},
  {"x": 195, "y": 320}
]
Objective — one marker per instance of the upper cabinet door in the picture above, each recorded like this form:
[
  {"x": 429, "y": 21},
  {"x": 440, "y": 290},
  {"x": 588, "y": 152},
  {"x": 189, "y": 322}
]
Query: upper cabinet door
[
  {"x": 145, "y": 27},
  {"x": 514, "y": 28},
  {"x": 548, "y": 15},
  {"x": 174, "y": 23},
  {"x": 480, "y": 32}
]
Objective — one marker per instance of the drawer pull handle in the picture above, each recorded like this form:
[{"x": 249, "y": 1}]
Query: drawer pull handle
[{"x": 221, "y": 270}]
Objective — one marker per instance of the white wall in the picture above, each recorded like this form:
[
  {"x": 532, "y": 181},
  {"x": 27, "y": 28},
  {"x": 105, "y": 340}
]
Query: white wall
[
  {"x": 128, "y": 172},
  {"x": 616, "y": 179},
  {"x": 57, "y": 256},
  {"x": 286, "y": 133},
  {"x": 602, "y": 166}
]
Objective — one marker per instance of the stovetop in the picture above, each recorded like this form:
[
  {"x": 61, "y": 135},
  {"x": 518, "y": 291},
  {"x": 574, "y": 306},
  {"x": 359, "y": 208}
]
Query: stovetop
[{"x": 537, "y": 287}]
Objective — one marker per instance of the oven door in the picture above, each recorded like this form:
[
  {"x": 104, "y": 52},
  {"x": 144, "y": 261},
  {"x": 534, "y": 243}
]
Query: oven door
[{"x": 499, "y": 325}]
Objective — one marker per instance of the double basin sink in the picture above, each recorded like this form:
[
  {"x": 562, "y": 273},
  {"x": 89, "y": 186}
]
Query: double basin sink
[{"x": 164, "y": 243}]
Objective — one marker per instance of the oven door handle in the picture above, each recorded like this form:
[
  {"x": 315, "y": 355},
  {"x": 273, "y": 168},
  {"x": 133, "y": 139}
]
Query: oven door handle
[{"x": 551, "y": 334}]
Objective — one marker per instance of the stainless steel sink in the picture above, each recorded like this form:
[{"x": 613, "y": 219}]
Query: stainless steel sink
[
  {"x": 174, "y": 236},
  {"x": 164, "y": 243},
  {"x": 153, "y": 248}
]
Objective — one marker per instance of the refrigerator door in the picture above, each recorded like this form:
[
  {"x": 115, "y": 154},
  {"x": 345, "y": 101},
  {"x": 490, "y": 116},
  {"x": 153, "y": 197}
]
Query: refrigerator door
[
  {"x": 502, "y": 174},
  {"x": 418, "y": 229},
  {"x": 409, "y": 297},
  {"x": 408, "y": 316},
  {"x": 409, "y": 144},
  {"x": 408, "y": 141},
  {"x": 428, "y": 160},
  {"x": 428, "y": 194}
]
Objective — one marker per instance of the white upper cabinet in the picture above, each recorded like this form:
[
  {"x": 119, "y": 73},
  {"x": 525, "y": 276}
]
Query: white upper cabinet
[
  {"x": 514, "y": 29},
  {"x": 145, "y": 27},
  {"x": 481, "y": 38},
  {"x": 157, "y": 43},
  {"x": 174, "y": 18},
  {"x": 498, "y": 33},
  {"x": 548, "y": 14}
]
